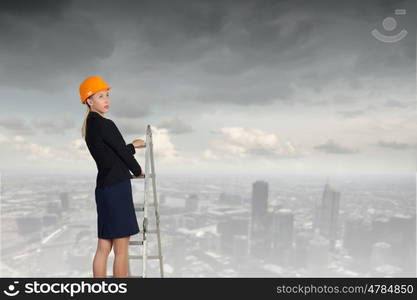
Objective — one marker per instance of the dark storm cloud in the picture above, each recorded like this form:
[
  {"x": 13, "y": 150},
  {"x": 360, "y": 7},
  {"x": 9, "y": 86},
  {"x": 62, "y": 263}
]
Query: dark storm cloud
[
  {"x": 242, "y": 52},
  {"x": 262, "y": 48},
  {"x": 176, "y": 126},
  {"x": 50, "y": 8},
  {"x": 42, "y": 44},
  {"x": 334, "y": 148}
]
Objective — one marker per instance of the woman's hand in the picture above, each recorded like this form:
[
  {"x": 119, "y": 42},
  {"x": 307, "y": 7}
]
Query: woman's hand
[
  {"x": 141, "y": 175},
  {"x": 138, "y": 143}
]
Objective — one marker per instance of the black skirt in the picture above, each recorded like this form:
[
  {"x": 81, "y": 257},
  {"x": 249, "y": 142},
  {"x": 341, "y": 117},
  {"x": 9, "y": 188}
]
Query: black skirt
[{"x": 116, "y": 215}]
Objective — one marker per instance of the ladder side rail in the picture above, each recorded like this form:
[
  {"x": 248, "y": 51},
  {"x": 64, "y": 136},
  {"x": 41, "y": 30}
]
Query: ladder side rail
[
  {"x": 156, "y": 203},
  {"x": 145, "y": 207}
]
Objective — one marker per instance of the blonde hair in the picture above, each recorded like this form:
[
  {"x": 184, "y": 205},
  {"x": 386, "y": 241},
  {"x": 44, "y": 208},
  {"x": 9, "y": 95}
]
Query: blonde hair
[{"x": 84, "y": 127}]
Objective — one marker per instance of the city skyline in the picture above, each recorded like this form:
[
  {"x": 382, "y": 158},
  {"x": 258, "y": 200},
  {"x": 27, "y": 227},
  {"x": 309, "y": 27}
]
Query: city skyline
[{"x": 207, "y": 227}]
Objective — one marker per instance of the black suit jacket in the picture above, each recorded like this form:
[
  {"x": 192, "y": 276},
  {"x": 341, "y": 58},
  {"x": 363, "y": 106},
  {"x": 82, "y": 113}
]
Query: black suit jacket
[{"x": 113, "y": 157}]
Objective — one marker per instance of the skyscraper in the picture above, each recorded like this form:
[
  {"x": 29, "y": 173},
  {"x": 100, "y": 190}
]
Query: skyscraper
[
  {"x": 357, "y": 237},
  {"x": 328, "y": 213},
  {"x": 259, "y": 241},
  {"x": 282, "y": 229},
  {"x": 64, "y": 201},
  {"x": 318, "y": 254},
  {"x": 191, "y": 203},
  {"x": 259, "y": 205}
]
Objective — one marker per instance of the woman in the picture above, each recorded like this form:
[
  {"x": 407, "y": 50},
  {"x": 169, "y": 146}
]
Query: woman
[{"x": 116, "y": 218}]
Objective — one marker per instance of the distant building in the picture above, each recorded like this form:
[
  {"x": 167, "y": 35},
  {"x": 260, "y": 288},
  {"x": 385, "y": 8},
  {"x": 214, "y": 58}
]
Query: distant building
[
  {"x": 282, "y": 229},
  {"x": 28, "y": 224},
  {"x": 54, "y": 207},
  {"x": 328, "y": 214},
  {"x": 381, "y": 230},
  {"x": 190, "y": 222},
  {"x": 226, "y": 198},
  {"x": 259, "y": 203},
  {"x": 281, "y": 237},
  {"x": 191, "y": 203},
  {"x": 301, "y": 249},
  {"x": 260, "y": 223},
  {"x": 50, "y": 219},
  {"x": 381, "y": 254},
  {"x": 240, "y": 246},
  {"x": 400, "y": 232},
  {"x": 177, "y": 253},
  {"x": 214, "y": 242},
  {"x": 228, "y": 229},
  {"x": 318, "y": 254},
  {"x": 64, "y": 201},
  {"x": 357, "y": 237}
]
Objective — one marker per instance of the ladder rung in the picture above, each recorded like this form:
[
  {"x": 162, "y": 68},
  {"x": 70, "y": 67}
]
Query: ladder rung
[
  {"x": 141, "y": 256},
  {"x": 140, "y": 207},
  {"x": 137, "y": 243}
]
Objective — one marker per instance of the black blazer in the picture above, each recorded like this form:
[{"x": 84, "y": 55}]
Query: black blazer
[{"x": 113, "y": 157}]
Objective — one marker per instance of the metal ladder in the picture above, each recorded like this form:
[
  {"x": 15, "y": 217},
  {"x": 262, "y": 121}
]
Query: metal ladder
[{"x": 149, "y": 175}]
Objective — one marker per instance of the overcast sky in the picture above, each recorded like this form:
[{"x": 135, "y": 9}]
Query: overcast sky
[{"x": 265, "y": 87}]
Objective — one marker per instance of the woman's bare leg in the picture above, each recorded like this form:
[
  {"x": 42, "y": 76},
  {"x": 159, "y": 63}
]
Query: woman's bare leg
[
  {"x": 100, "y": 259},
  {"x": 121, "y": 262}
]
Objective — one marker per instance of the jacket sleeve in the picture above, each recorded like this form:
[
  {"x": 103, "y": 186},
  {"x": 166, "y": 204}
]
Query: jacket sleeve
[
  {"x": 131, "y": 148},
  {"x": 113, "y": 137}
]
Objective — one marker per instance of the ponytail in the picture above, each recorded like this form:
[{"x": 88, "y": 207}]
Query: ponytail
[{"x": 84, "y": 127}]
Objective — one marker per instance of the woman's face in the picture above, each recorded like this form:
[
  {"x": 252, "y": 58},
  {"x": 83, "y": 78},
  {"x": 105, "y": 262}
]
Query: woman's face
[{"x": 100, "y": 102}]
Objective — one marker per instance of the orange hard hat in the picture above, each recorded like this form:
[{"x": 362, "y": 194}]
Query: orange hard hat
[{"x": 92, "y": 85}]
